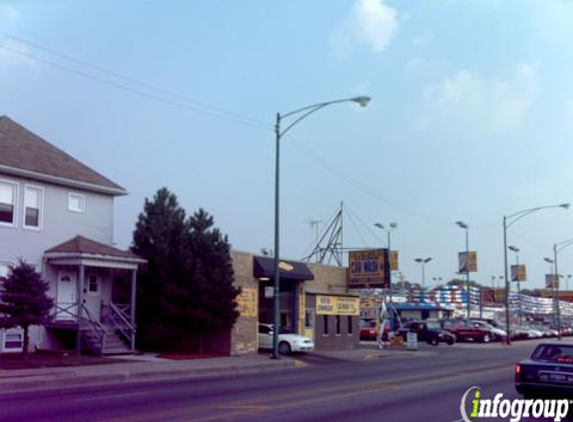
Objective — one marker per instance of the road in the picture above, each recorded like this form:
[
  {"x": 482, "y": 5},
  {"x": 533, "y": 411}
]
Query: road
[{"x": 420, "y": 386}]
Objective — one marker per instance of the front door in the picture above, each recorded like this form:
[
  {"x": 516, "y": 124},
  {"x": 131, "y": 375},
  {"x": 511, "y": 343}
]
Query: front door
[
  {"x": 67, "y": 295},
  {"x": 92, "y": 295}
]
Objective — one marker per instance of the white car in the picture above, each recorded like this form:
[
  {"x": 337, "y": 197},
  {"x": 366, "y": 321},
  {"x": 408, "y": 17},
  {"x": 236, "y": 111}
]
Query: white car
[{"x": 287, "y": 342}]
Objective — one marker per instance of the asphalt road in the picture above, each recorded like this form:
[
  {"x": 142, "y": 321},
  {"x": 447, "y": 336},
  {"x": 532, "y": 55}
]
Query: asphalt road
[{"x": 420, "y": 386}]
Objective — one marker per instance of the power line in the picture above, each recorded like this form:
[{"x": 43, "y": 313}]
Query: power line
[{"x": 134, "y": 81}]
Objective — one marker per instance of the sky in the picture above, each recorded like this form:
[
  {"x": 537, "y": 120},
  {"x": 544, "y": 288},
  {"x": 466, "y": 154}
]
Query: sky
[{"x": 471, "y": 116}]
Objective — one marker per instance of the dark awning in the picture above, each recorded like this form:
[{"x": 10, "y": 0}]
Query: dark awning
[{"x": 289, "y": 270}]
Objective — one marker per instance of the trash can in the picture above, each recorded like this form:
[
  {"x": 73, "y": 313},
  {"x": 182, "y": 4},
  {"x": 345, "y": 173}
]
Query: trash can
[{"x": 412, "y": 341}]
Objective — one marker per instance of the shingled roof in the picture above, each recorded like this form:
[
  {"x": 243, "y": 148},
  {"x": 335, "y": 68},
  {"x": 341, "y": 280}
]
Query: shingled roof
[
  {"x": 83, "y": 246},
  {"x": 26, "y": 154}
]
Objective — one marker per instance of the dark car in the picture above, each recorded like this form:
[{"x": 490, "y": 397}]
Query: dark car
[
  {"x": 548, "y": 372},
  {"x": 467, "y": 330},
  {"x": 429, "y": 331}
]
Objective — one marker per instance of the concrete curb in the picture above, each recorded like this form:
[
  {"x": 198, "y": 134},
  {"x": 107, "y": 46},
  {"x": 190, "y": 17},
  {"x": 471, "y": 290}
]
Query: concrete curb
[{"x": 124, "y": 376}]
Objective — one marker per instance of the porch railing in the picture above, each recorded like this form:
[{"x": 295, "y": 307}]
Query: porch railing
[
  {"x": 120, "y": 319},
  {"x": 65, "y": 312},
  {"x": 96, "y": 328}
]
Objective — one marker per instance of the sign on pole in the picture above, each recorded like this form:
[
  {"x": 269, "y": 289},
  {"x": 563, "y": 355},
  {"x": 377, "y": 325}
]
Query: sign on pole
[
  {"x": 551, "y": 281},
  {"x": 467, "y": 262},
  {"x": 369, "y": 269},
  {"x": 518, "y": 272}
]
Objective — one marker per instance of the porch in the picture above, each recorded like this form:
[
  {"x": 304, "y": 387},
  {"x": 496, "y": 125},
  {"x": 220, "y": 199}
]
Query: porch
[{"x": 94, "y": 287}]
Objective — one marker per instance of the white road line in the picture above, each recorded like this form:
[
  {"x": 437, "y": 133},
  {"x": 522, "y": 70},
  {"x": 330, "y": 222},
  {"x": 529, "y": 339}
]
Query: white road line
[{"x": 112, "y": 396}]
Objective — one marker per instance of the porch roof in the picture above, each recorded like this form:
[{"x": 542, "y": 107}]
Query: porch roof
[{"x": 82, "y": 248}]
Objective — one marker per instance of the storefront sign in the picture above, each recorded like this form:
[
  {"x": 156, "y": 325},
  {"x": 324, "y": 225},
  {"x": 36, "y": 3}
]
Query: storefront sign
[
  {"x": 247, "y": 303},
  {"x": 368, "y": 269},
  {"x": 518, "y": 272},
  {"x": 467, "y": 262},
  {"x": 337, "y": 305}
]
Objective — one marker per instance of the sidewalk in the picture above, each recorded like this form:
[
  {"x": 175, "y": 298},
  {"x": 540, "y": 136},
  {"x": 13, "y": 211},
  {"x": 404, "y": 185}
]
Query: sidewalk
[{"x": 135, "y": 369}]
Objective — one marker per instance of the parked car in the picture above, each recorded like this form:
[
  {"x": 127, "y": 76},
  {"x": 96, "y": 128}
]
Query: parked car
[
  {"x": 368, "y": 330},
  {"x": 466, "y": 330},
  {"x": 549, "y": 371},
  {"x": 288, "y": 342},
  {"x": 429, "y": 331},
  {"x": 498, "y": 333}
]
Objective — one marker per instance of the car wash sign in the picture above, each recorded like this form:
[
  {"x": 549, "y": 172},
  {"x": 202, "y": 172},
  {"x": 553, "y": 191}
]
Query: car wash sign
[{"x": 369, "y": 269}]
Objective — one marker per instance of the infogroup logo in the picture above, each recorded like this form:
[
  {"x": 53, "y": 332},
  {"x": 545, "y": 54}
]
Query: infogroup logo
[{"x": 474, "y": 406}]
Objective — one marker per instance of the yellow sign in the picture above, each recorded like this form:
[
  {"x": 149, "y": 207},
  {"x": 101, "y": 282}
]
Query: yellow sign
[
  {"x": 247, "y": 302},
  {"x": 285, "y": 266},
  {"x": 368, "y": 269},
  {"x": 337, "y": 305},
  {"x": 394, "y": 261},
  {"x": 468, "y": 262},
  {"x": 518, "y": 272},
  {"x": 551, "y": 281}
]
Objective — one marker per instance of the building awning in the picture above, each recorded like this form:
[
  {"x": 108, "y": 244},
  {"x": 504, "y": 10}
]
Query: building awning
[{"x": 264, "y": 267}]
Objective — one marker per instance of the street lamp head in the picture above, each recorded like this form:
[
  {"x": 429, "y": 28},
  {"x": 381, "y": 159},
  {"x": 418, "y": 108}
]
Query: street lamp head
[
  {"x": 548, "y": 260},
  {"x": 566, "y": 206},
  {"x": 462, "y": 224},
  {"x": 418, "y": 260},
  {"x": 393, "y": 225},
  {"x": 379, "y": 225},
  {"x": 428, "y": 259},
  {"x": 362, "y": 100},
  {"x": 513, "y": 248}
]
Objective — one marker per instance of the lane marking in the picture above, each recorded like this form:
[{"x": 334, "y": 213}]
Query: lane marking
[{"x": 112, "y": 396}]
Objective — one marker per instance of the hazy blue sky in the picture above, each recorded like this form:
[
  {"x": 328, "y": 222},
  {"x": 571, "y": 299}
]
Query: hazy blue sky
[{"x": 471, "y": 118}]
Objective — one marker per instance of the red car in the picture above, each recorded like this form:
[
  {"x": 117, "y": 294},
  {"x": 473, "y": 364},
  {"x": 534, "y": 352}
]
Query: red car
[{"x": 368, "y": 330}]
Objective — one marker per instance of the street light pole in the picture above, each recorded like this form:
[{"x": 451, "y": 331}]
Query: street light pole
[
  {"x": 464, "y": 226},
  {"x": 388, "y": 230},
  {"x": 423, "y": 262},
  {"x": 508, "y": 221},
  {"x": 557, "y": 247},
  {"x": 306, "y": 111},
  {"x": 516, "y": 250}
]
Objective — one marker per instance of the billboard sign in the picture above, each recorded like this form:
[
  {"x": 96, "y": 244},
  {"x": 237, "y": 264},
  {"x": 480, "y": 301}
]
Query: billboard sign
[
  {"x": 467, "y": 262},
  {"x": 518, "y": 272},
  {"x": 368, "y": 269},
  {"x": 551, "y": 281},
  {"x": 394, "y": 266}
]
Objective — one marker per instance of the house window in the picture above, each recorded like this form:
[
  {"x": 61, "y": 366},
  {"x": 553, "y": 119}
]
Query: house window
[
  {"x": 325, "y": 321},
  {"x": 76, "y": 202},
  {"x": 13, "y": 342},
  {"x": 349, "y": 322},
  {"x": 93, "y": 285},
  {"x": 33, "y": 198},
  {"x": 337, "y": 321},
  {"x": 8, "y": 198}
]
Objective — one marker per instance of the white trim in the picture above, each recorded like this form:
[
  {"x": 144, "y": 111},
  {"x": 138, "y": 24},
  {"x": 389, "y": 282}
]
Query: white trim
[
  {"x": 15, "y": 184},
  {"x": 40, "y": 208},
  {"x": 83, "y": 201},
  {"x": 62, "y": 181},
  {"x": 4, "y": 333}
]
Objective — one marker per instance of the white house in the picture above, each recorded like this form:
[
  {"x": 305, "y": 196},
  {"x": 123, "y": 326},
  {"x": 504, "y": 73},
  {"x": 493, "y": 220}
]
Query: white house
[{"x": 57, "y": 214}]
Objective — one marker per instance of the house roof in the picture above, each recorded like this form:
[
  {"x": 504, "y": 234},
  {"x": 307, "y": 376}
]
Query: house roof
[
  {"x": 28, "y": 155},
  {"x": 83, "y": 246}
]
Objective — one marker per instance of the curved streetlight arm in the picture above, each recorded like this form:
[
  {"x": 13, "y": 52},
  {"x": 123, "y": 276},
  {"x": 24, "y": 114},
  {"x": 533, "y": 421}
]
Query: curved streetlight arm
[
  {"x": 362, "y": 100},
  {"x": 520, "y": 214},
  {"x": 559, "y": 246}
]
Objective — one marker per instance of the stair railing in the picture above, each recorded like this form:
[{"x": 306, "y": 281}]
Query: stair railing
[
  {"x": 121, "y": 323},
  {"x": 95, "y": 327}
]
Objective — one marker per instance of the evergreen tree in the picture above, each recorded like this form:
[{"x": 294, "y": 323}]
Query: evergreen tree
[
  {"x": 24, "y": 300},
  {"x": 159, "y": 237},
  {"x": 186, "y": 292}
]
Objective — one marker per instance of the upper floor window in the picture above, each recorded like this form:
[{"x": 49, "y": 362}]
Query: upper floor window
[
  {"x": 33, "y": 198},
  {"x": 8, "y": 197},
  {"x": 76, "y": 202}
]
